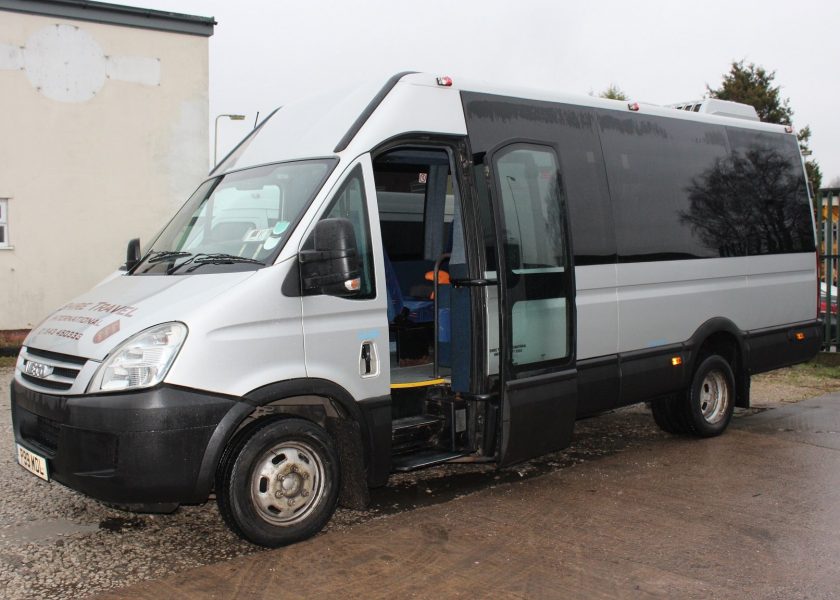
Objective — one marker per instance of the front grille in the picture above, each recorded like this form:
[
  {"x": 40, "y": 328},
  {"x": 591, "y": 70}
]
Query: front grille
[
  {"x": 47, "y": 432},
  {"x": 41, "y": 432},
  {"x": 47, "y": 383},
  {"x": 64, "y": 369},
  {"x": 56, "y": 357}
]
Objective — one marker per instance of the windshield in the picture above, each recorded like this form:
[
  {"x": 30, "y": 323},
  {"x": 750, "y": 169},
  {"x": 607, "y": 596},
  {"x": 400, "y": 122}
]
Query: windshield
[{"x": 237, "y": 221}]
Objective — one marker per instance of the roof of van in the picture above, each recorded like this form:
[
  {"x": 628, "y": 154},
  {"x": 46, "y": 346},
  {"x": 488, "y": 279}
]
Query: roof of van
[{"x": 355, "y": 119}]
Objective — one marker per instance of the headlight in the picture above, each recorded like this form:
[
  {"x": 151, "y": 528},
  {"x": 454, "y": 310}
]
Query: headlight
[{"x": 142, "y": 360}]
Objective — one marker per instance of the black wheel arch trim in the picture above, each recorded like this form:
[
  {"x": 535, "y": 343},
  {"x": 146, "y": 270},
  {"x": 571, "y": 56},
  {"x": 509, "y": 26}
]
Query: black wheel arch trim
[
  {"x": 277, "y": 392},
  {"x": 223, "y": 434},
  {"x": 714, "y": 326},
  {"x": 311, "y": 386}
]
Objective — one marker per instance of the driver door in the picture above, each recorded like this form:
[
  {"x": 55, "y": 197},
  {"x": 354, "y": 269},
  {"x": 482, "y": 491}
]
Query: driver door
[{"x": 346, "y": 338}]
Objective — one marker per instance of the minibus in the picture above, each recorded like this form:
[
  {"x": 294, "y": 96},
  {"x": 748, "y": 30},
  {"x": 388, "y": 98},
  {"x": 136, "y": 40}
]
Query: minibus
[{"x": 421, "y": 271}]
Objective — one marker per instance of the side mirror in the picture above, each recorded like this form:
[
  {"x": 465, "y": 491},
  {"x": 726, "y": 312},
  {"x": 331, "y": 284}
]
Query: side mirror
[
  {"x": 132, "y": 254},
  {"x": 330, "y": 263}
]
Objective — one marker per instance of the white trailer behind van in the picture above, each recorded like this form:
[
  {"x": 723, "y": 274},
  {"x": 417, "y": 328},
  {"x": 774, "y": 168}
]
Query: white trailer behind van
[{"x": 414, "y": 272}]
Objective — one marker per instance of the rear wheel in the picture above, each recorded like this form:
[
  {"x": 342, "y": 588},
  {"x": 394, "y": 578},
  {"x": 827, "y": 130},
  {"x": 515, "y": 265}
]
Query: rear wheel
[
  {"x": 705, "y": 409},
  {"x": 279, "y": 482},
  {"x": 711, "y": 398},
  {"x": 666, "y": 414}
]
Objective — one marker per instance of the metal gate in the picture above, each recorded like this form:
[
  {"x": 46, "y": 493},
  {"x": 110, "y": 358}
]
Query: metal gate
[{"x": 828, "y": 221}]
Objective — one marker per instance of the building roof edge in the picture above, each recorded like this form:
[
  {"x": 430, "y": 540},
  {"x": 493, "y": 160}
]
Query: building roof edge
[{"x": 114, "y": 14}]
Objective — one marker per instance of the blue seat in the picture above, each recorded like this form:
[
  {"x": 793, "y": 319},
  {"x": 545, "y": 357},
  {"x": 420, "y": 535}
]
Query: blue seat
[
  {"x": 417, "y": 310},
  {"x": 392, "y": 287}
]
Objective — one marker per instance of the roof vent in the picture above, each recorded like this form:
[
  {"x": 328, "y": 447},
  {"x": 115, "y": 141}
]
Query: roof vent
[{"x": 723, "y": 108}]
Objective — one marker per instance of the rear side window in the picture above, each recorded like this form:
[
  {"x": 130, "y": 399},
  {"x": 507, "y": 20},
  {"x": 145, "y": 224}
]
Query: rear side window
[
  {"x": 758, "y": 195},
  {"x": 682, "y": 189},
  {"x": 653, "y": 166}
]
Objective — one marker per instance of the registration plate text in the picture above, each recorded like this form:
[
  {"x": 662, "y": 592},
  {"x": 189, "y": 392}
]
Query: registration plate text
[{"x": 32, "y": 462}]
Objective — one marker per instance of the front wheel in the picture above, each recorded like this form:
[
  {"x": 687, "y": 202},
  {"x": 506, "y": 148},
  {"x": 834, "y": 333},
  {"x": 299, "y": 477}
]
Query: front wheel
[{"x": 279, "y": 482}]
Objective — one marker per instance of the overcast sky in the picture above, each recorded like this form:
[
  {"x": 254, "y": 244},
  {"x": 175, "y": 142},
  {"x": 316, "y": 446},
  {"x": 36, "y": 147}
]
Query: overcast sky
[{"x": 266, "y": 53}]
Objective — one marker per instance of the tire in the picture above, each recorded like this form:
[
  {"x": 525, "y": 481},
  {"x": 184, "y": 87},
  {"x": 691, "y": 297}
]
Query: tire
[
  {"x": 278, "y": 482},
  {"x": 666, "y": 414},
  {"x": 710, "y": 401}
]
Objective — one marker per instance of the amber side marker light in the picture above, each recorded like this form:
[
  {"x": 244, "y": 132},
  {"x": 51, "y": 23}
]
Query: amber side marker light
[
  {"x": 676, "y": 361},
  {"x": 799, "y": 336}
]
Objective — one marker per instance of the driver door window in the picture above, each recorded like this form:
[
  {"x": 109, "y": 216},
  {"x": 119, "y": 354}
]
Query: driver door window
[{"x": 351, "y": 203}]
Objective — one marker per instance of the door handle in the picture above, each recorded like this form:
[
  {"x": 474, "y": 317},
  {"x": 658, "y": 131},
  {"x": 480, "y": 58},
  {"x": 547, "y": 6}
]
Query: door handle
[
  {"x": 365, "y": 364},
  {"x": 368, "y": 363}
]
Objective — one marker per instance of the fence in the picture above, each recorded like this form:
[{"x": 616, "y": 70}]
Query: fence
[{"x": 827, "y": 205}]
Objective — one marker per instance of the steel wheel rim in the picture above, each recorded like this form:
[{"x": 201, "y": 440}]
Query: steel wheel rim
[
  {"x": 287, "y": 483},
  {"x": 714, "y": 396}
]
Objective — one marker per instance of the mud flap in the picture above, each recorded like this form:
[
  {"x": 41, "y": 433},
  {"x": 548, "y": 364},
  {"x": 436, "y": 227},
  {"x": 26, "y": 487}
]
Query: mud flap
[
  {"x": 742, "y": 389},
  {"x": 354, "y": 493}
]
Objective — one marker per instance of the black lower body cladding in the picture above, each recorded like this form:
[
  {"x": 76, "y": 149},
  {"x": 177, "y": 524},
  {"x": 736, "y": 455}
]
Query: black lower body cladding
[{"x": 143, "y": 447}]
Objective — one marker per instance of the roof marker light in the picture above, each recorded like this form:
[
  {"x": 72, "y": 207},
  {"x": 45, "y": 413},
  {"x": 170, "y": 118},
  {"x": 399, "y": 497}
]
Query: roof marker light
[
  {"x": 789, "y": 128},
  {"x": 444, "y": 81},
  {"x": 634, "y": 106}
]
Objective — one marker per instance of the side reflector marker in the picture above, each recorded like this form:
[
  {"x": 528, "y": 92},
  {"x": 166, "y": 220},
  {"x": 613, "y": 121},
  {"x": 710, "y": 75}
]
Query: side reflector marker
[{"x": 676, "y": 361}]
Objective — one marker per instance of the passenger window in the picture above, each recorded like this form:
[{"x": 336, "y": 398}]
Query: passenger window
[
  {"x": 351, "y": 203},
  {"x": 534, "y": 247},
  {"x": 529, "y": 186}
]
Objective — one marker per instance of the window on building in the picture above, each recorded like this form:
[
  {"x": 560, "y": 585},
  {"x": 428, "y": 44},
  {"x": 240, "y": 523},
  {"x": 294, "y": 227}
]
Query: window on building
[{"x": 4, "y": 223}]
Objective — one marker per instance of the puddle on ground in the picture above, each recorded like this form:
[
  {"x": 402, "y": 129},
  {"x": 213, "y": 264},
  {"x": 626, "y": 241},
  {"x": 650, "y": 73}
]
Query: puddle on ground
[
  {"x": 120, "y": 524},
  {"x": 42, "y": 531}
]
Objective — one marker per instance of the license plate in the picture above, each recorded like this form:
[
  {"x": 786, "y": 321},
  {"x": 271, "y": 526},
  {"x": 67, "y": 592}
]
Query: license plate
[{"x": 33, "y": 463}]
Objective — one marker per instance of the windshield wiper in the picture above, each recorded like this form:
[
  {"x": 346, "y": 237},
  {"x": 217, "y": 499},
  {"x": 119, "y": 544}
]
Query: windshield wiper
[
  {"x": 161, "y": 256},
  {"x": 202, "y": 259}
]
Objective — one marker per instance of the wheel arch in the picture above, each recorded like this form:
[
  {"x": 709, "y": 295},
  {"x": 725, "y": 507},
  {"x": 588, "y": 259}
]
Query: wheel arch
[
  {"x": 320, "y": 401},
  {"x": 721, "y": 336}
]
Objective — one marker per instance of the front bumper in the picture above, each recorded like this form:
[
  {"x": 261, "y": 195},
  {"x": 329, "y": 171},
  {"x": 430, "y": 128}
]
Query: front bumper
[{"x": 152, "y": 446}]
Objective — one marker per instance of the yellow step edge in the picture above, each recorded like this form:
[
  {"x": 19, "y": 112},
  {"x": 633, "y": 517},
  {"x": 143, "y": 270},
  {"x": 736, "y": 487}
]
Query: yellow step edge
[{"x": 414, "y": 384}]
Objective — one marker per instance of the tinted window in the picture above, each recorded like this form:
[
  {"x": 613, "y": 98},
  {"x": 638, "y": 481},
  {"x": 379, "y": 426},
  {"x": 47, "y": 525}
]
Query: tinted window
[
  {"x": 652, "y": 166},
  {"x": 492, "y": 120},
  {"x": 585, "y": 181},
  {"x": 755, "y": 201}
]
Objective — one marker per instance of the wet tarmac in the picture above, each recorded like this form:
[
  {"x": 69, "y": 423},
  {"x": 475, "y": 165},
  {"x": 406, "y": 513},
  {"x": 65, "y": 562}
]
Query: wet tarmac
[{"x": 754, "y": 513}]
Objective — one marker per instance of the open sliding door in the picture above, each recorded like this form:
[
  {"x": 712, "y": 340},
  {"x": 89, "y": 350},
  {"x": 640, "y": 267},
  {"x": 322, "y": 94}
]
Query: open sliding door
[{"x": 538, "y": 379}]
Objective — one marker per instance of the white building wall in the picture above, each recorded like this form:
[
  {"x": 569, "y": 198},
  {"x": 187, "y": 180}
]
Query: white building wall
[{"x": 103, "y": 134}]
